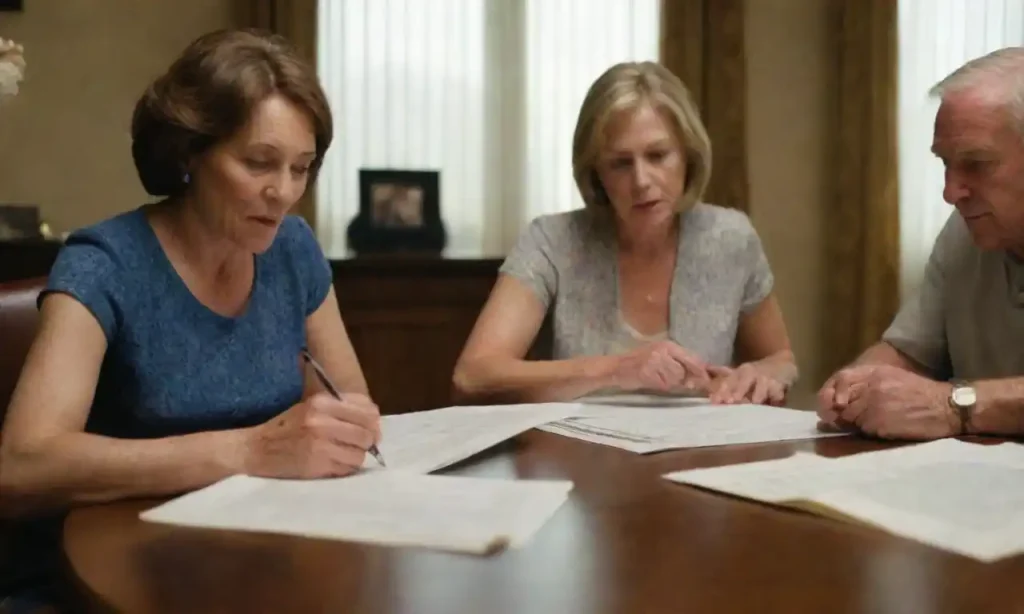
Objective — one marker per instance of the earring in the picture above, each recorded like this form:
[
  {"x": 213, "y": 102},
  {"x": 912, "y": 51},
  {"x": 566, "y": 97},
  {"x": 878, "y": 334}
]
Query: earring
[{"x": 185, "y": 178}]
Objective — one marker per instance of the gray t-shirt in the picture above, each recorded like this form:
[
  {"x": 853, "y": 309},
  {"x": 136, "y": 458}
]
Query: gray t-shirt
[
  {"x": 967, "y": 321},
  {"x": 570, "y": 261}
]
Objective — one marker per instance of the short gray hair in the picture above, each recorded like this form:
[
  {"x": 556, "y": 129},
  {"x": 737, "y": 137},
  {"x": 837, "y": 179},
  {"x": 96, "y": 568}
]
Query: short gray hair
[{"x": 1000, "y": 73}]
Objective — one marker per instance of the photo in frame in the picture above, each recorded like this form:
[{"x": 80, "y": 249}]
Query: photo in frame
[{"x": 399, "y": 211}]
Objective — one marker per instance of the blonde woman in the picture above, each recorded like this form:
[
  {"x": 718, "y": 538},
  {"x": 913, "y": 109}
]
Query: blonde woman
[{"x": 649, "y": 288}]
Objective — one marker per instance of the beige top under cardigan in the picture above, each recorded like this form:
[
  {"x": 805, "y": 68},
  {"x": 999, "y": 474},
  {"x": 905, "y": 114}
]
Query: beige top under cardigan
[
  {"x": 967, "y": 320},
  {"x": 570, "y": 261}
]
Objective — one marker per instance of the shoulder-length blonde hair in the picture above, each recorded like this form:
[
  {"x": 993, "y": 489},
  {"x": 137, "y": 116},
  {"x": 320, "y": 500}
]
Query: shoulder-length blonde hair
[{"x": 625, "y": 87}]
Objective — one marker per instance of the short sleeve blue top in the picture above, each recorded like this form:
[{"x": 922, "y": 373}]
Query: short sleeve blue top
[{"x": 174, "y": 366}]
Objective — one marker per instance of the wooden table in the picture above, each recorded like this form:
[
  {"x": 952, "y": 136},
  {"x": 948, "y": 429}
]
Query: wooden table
[{"x": 627, "y": 541}]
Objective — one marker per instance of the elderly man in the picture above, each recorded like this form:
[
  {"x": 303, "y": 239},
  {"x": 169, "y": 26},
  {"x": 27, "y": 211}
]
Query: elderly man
[{"x": 952, "y": 362}]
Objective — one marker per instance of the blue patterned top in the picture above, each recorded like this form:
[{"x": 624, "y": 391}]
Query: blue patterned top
[{"x": 174, "y": 366}]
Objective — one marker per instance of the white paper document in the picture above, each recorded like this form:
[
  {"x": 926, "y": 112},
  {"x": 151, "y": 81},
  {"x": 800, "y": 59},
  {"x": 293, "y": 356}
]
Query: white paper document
[
  {"x": 425, "y": 441},
  {"x": 642, "y": 400},
  {"x": 962, "y": 497},
  {"x": 687, "y": 424},
  {"x": 399, "y": 504},
  {"x": 392, "y": 508}
]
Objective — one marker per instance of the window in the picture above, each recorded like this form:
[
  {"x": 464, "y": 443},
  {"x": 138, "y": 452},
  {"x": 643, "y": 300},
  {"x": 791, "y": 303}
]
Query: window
[
  {"x": 935, "y": 38},
  {"x": 486, "y": 91}
]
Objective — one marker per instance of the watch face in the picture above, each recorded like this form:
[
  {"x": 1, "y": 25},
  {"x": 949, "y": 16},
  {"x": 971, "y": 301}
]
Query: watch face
[{"x": 964, "y": 397}]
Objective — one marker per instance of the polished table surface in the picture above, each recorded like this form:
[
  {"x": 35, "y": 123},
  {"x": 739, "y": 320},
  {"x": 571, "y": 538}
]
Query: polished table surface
[{"x": 626, "y": 541}]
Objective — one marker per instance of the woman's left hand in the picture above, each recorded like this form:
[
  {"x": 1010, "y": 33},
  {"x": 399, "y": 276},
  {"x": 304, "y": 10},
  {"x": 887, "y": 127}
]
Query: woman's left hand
[{"x": 744, "y": 384}]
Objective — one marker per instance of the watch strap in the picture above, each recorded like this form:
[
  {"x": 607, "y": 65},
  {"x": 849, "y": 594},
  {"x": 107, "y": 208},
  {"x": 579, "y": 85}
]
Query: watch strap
[{"x": 963, "y": 412}]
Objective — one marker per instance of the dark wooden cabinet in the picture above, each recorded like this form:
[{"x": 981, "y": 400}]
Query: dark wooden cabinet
[
  {"x": 26, "y": 259},
  {"x": 408, "y": 319}
]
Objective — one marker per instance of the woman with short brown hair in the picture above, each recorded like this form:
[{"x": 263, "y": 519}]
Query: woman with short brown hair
[{"x": 168, "y": 352}]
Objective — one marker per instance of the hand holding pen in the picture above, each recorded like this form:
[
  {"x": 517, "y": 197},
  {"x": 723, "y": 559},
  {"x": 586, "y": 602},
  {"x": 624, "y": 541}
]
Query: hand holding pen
[
  {"x": 321, "y": 436},
  {"x": 326, "y": 381}
]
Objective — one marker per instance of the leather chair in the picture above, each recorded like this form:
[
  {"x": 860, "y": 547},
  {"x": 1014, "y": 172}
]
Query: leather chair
[{"x": 19, "y": 319}]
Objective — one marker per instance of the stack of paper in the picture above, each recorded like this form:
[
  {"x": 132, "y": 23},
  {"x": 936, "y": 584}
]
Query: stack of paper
[
  {"x": 459, "y": 514},
  {"x": 426, "y": 441},
  {"x": 686, "y": 424},
  {"x": 398, "y": 505},
  {"x": 961, "y": 497}
]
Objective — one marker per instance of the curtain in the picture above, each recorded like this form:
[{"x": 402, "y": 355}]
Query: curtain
[
  {"x": 862, "y": 219},
  {"x": 703, "y": 43},
  {"x": 296, "y": 21}
]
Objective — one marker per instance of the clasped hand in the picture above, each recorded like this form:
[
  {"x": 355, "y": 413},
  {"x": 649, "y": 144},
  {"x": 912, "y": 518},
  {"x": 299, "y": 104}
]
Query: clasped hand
[
  {"x": 317, "y": 438},
  {"x": 887, "y": 402},
  {"x": 668, "y": 368}
]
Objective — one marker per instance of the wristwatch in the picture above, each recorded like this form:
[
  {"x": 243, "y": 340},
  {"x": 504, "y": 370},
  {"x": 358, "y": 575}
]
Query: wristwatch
[{"x": 963, "y": 398}]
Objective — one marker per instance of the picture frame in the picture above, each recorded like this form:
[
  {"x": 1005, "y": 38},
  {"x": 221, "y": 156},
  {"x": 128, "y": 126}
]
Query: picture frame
[{"x": 399, "y": 211}]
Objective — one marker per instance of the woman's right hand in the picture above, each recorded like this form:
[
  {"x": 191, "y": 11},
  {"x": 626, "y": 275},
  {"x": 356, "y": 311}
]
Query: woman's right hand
[
  {"x": 319, "y": 437},
  {"x": 662, "y": 366}
]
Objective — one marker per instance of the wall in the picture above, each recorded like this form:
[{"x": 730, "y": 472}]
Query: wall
[
  {"x": 788, "y": 131},
  {"x": 65, "y": 138}
]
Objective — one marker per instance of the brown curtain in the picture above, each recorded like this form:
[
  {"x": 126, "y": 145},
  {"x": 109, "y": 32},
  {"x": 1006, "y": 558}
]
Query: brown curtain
[
  {"x": 702, "y": 41},
  {"x": 296, "y": 21},
  {"x": 862, "y": 219}
]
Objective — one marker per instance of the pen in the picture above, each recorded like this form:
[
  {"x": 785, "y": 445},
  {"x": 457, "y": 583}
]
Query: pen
[{"x": 334, "y": 391}]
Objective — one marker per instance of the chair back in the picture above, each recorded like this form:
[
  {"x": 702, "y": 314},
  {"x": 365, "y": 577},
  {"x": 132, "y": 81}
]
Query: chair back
[{"x": 19, "y": 319}]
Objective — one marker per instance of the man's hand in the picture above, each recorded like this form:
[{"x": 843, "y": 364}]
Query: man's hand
[
  {"x": 888, "y": 402},
  {"x": 835, "y": 394}
]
